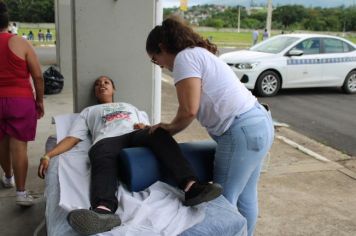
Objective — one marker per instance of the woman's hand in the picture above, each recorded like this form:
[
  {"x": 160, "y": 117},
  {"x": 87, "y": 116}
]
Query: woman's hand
[
  {"x": 164, "y": 126},
  {"x": 42, "y": 168},
  {"x": 39, "y": 109},
  {"x": 140, "y": 126}
]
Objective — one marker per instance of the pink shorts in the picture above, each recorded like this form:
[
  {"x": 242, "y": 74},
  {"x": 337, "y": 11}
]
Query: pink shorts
[{"x": 18, "y": 118}]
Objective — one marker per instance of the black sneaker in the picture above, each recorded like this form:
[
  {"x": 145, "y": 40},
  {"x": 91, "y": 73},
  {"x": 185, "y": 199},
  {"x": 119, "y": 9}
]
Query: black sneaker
[
  {"x": 201, "y": 192},
  {"x": 88, "y": 222}
]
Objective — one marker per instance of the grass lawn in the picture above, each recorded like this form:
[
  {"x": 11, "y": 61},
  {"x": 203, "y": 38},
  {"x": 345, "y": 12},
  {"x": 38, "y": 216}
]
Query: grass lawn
[
  {"x": 35, "y": 42},
  {"x": 221, "y": 38},
  {"x": 235, "y": 39},
  {"x": 352, "y": 39}
]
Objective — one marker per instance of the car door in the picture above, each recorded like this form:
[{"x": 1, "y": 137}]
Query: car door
[
  {"x": 304, "y": 70},
  {"x": 338, "y": 60}
]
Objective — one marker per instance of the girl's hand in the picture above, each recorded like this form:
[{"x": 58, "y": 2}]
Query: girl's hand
[
  {"x": 140, "y": 126},
  {"x": 42, "y": 168}
]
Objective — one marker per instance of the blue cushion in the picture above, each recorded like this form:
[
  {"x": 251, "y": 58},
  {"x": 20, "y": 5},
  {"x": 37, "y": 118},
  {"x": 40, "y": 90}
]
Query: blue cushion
[{"x": 139, "y": 167}]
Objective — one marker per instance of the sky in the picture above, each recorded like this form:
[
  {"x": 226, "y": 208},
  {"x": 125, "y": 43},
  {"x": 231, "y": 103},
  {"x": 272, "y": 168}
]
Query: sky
[{"x": 306, "y": 3}]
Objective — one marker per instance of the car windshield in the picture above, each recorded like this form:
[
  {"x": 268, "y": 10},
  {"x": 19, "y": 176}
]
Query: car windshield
[{"x": 274, "y": 45}]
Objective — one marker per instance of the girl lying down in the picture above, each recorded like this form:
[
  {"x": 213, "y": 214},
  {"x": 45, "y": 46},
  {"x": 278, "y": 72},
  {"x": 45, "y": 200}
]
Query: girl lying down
[{"x": 114, "y": 126}]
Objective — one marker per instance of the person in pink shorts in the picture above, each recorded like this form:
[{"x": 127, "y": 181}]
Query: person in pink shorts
[{"x": 21, "y": 104}]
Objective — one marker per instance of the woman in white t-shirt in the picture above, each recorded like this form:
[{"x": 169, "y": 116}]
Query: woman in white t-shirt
[
  {"x": 208, "y": 90},
  {"x": 112, "y": 127}
]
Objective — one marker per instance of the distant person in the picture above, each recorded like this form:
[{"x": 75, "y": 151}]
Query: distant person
[
  {"x": 265, "y": 35},
  {"x": 14, "y": 28},
  {"x": 40, "y": 36},
  {"x": 19, "y": 106},
  {"x": 282, "y": 32},
  {"x": 48, "y": 35},
  {"x": 255, "y": 36},
  {"x": 24, "y": 36},
  {"x": 30, "y": 35}
]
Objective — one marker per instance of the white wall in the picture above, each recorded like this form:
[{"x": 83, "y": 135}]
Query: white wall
[{"x": 109, "y": 39}]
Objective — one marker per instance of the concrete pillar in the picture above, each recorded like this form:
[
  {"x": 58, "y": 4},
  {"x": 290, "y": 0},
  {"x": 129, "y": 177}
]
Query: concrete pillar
[
  {"x": 64, "y": 47},
  {"x": 108, "y": 38}
]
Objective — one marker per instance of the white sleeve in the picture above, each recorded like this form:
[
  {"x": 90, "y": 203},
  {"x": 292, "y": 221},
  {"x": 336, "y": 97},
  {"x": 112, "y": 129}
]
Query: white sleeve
[
  {"x": 186, "y": 65},
  {"x": 143, "y": 117},
  {"x": 79, "y": 128}
]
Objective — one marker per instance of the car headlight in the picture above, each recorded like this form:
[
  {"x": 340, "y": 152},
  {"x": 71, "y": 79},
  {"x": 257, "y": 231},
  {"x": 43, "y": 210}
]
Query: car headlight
[{"x": 246, "y": 66}]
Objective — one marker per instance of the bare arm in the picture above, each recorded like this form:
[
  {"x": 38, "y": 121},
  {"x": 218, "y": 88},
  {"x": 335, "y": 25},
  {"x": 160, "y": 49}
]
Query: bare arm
[
  {"x": 37, "y": 78},
  {"x": 63, "y": 146},
  {"x": 188, "y": 93}
]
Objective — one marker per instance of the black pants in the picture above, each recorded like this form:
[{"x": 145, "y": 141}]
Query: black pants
[{"x": 104, "y": 163}]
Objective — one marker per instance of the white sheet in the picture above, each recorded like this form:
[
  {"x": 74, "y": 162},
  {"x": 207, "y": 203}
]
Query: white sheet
[{"x": 156, "y": 211}]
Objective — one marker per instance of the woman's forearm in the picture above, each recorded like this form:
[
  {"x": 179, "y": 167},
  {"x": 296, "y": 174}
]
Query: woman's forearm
[
  {"x": 188, "y": 94},
  {"x": 181, "y": 121}
]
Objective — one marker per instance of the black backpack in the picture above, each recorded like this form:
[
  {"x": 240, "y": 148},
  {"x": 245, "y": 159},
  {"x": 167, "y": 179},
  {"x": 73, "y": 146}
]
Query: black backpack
[{"x": 53, "y": 81}]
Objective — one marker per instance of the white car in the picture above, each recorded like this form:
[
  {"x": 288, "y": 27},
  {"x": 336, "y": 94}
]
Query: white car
[{"x": 296, "y": 61}]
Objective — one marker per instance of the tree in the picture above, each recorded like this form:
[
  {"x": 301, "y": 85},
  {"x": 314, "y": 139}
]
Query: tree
[
  {"x": 216, "y": 23},
  {"x": 289, "y": 14},
  {"x": 31, "y": 10}
]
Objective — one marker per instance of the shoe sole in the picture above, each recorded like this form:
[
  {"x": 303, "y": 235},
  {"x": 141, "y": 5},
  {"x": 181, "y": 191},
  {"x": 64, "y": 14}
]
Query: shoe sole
[
  {"x": 87, "y": 222},
  {"x": 209, "y": 194},
  {"x": 5, "y": 185},
  {"x": 25, "y": 204},
  {"x": 8, "y": 186}
]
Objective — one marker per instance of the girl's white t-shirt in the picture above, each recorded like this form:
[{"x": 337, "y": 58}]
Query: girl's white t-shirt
[
  {"x": 107, "y": 120},
  {"x": 223, "y": 96}
]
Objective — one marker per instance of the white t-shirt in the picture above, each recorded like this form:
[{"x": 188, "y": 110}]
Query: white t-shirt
[
  {"x": 107, "y": 120},
  {"x": 14, "y": 29},
  {"x": 223, "y": 96}
]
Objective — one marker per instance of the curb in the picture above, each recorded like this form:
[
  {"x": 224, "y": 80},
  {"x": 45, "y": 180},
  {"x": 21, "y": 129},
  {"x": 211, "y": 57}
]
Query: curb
[{"x": 317, "y": 156}]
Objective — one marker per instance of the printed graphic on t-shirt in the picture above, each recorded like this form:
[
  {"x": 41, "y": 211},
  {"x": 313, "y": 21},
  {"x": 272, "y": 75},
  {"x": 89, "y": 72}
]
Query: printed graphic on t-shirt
[{"x": 115, "y": 112}]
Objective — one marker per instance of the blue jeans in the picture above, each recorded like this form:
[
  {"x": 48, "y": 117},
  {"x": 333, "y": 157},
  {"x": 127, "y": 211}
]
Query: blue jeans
[{"x": 239, "y": 158}]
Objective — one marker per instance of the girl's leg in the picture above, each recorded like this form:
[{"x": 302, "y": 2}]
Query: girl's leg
[
  {"x": 5, "y": 159},
  {"x": 104, "y": 171},
  {"x": 18, "y": 152},
  {"x": 168, "y": 152}
]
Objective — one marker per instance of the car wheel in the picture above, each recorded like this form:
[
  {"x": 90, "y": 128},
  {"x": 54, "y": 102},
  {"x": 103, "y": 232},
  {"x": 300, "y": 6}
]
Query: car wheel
[
  {"x": 350, "y": 82},
  {"x": 268, "y": 84}
]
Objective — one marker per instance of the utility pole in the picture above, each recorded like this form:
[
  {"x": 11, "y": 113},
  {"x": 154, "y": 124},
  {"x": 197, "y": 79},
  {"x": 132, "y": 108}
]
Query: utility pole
[
  {"x": 269, "y": 17},
  {"x": 238, "y": 21}
]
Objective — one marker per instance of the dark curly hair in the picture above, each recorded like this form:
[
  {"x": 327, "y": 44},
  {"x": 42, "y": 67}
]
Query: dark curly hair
[
  {"x": 175, "y": 35},
  {"x": 4, "y": 16}
]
